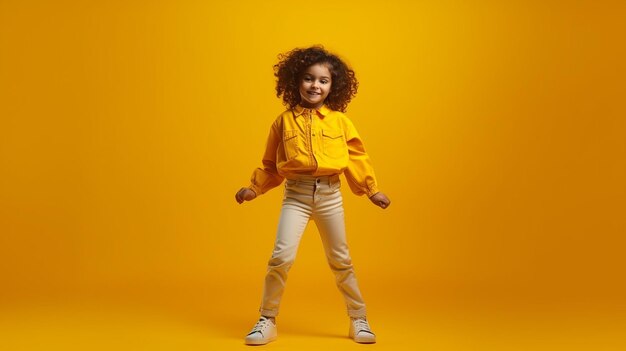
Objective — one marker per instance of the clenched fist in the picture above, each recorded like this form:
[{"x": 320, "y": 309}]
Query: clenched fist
[
  {"x": 381, "y": 200},
  {"x": 245, "y": 194}
]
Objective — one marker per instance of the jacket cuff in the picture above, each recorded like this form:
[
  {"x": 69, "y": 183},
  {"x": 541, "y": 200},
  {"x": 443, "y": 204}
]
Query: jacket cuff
[{"x": 372, "y": 190}]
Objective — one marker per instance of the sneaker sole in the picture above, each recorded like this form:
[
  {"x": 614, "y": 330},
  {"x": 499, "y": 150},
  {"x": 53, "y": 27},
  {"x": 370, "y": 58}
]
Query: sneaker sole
[
  {"x": 362, "y": 340},
  {"x": 366, "y": 341},
  {"x": 260, "y": 342}
]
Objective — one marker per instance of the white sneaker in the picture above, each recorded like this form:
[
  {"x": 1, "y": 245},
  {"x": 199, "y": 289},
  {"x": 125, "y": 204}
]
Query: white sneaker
[
  {"x": 360, "y": 331},
  {"x": 263, "y": 332}
]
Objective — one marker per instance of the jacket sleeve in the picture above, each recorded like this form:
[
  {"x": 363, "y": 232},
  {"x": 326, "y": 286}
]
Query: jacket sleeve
[
  {"x": 360, "y": 172},
  {"x": 266, "y": 177}
]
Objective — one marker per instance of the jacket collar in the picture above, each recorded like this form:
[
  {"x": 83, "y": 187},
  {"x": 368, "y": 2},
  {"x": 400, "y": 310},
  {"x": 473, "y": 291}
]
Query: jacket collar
[{"x": 322, "y": 111}]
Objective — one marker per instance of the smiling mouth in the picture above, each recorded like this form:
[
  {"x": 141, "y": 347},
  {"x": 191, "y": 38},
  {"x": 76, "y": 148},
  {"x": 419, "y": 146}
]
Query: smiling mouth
[{"x": 313, "y": 93}]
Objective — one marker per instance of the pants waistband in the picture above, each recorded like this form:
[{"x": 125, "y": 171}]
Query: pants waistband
[{"x": 311, "y": 180}]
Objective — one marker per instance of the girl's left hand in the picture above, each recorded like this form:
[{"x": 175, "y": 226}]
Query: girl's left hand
[{"x": 381, "y": 200}]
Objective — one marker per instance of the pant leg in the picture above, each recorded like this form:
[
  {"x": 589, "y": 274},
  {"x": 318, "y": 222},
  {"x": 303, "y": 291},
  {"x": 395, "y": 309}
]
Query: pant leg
[
  {"x": 329, "y": 218},
  {"x": 294, "y": 217}
]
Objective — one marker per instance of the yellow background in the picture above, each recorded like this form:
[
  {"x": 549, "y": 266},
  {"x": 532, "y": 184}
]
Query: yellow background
[{"x": 498, "y": 130}]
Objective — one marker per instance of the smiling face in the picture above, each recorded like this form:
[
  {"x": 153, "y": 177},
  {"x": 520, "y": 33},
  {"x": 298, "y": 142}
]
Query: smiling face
[{"x": 315, "y": 85}]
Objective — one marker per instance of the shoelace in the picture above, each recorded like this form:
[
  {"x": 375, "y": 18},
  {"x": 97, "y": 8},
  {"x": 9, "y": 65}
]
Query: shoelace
[
  {"x": 361, "y": 325},
  {"x": 259, "y": 325}
]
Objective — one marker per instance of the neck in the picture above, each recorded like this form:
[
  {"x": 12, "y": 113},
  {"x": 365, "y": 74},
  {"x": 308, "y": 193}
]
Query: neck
[{"x": 305, "y": 105}]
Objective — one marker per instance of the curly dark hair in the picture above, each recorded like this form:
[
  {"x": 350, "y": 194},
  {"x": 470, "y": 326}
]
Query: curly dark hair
[{"x": 291, "y": 66}]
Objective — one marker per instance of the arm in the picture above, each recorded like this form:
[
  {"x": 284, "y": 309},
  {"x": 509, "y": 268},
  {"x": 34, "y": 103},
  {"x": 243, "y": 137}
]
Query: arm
[
  {"x": 265, "y": 177},
  {"x": 360, "y": 172}
]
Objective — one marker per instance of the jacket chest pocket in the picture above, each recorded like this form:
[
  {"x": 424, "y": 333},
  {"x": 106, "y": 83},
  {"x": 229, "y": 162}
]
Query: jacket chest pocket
[
  {"x": 334, "y": 143},
  {"x": 290, "y": 143}
]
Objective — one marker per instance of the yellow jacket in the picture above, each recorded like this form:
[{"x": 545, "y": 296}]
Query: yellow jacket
[{"x": 314, "y": 142}]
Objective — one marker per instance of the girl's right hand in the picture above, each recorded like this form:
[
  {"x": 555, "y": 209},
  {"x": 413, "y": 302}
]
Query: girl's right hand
[
  {"x": 245, "y": 194},
  {"x": 381, "y": 200}
]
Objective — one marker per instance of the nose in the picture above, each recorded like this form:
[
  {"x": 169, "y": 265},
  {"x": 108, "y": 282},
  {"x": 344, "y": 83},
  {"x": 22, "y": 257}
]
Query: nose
[{"x": 314, "y": 84}]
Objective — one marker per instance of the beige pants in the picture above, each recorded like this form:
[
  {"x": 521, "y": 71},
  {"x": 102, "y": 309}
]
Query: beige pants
[{"x": 316, "y": 198}]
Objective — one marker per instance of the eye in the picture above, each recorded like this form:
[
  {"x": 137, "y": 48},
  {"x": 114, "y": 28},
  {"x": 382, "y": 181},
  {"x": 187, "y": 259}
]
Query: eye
[
  {"x": 324, "y": 81},
  {"x": 307, "y": 79}
]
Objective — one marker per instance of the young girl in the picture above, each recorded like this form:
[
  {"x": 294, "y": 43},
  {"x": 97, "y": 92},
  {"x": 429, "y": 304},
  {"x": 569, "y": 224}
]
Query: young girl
[{"x": 309, "y": 145}]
